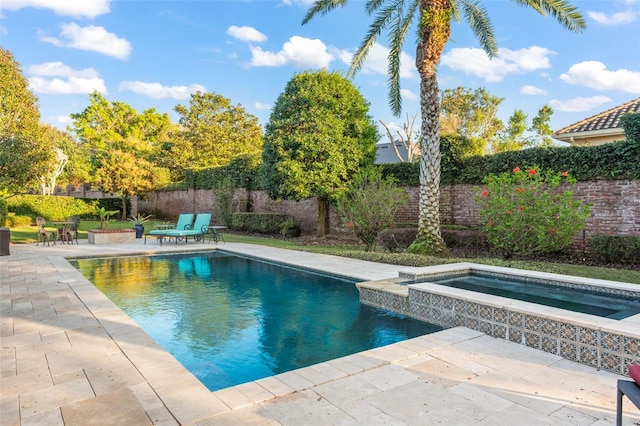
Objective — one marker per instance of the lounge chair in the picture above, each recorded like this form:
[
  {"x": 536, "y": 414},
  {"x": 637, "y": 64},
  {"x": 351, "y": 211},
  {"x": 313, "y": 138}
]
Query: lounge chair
[
  {"x": 198, "y": 230},
  {"x": 184, "y": 222}
]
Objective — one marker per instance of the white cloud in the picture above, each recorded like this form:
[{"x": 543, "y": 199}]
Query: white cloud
[
  {"x": 594, "y": 75},
  {"x": 579, "y": 104},
  {"x": 408, "y": 95},
  {"x": 246, "y": 34},
  {"x": 532, "y": 90},
  {"x": 60, "y": 69},
  {"x": 76, "y": 8},
  {"x": 69, "y": 86},
  {"x": 261, "y": 106},
  {"x": 299, "y": 51},
  {"x": 158, "y": 91},
  {"x": 298, "y": 2},
  {"x": 618, "y": 18},
  {"x": 62, "y": 119},
  {"x": 475, "y": 61},
  {"x": 58, "y": 78},
  {"x": 91, "y": 38},
  {"x": 377, "y": 62}
]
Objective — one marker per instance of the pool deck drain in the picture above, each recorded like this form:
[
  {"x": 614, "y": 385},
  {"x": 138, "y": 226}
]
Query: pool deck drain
[{"x": 69, "y": 356}]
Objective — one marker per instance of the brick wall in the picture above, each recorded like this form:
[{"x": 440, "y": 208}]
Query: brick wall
[{"x": 615, "y": 206}]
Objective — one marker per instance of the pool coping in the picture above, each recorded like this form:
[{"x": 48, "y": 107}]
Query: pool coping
[
  {"x": 598, "y": 342},
  {"x": 41, "y": 282}
]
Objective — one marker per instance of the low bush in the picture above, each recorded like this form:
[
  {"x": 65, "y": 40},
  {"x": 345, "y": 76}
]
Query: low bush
[
  {"x": 50, "y": 207},
  {"x": 264, "y": 223},
  {"x": 397, "y": 240},
  {"x": 3, "y": 211},
  {"x": 469, "y": 241},
  {"x": 15, "y": 221},
  {"x": 623, "y": 249}
]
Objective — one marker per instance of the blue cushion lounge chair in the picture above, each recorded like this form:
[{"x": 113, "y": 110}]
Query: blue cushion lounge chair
[
  {"x": 184, "y": 222},
  {"x": 198, "y": 230}
]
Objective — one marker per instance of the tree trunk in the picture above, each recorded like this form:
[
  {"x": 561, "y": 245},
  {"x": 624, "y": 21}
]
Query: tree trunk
[
  {"x": 323, "y": 217},
  {"x": 124, "y": 208},
  {"x": 433, "y": 36}
]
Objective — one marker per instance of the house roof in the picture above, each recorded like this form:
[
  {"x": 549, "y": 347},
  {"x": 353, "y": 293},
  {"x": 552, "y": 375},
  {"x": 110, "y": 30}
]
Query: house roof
[{"x": 606, "y": 120}]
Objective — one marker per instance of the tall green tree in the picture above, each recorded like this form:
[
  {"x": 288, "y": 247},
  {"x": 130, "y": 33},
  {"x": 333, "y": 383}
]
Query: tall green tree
[
  {"x": 319, "y": 135},
  {"x": 472, "y": 114},
  {"x": 433, "y": 18},
  {"x": 22, "y": 153},
  {"x": 541, "y": 127},
  {"x": 212, "y": 132},
  {"x": 512, "y": 137}
]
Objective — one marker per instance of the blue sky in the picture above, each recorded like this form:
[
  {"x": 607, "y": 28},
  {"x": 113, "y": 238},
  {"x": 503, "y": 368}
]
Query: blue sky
[{"x": 151, "y": 53}]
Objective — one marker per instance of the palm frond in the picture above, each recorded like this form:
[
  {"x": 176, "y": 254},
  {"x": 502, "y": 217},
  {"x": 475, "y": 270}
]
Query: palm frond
[
  {"x": 399, "y": 30},
  {"x": 480, "y": 24},
  {"x": 562, "y": 10},
  {"x": 322, "y": 7},
  {"x": 376, "y": 27},
  {"x": 372, "y": 6}
]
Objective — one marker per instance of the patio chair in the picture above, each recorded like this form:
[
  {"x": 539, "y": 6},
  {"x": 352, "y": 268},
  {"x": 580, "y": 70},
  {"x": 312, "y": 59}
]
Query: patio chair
[
  {"x": 45, "y": 234},
  {"x": 198, "y": 230},
  {"x": 184, "y": 222},
  {"x": 70, "y": 230}
]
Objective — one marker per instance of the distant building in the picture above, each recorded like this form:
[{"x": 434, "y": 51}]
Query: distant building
[
  {"x": 598, "y": 129},
  {"x": 386, "y": 153}
]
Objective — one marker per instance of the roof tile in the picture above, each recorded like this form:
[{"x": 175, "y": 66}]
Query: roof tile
[{"x": 609, "y": 119}]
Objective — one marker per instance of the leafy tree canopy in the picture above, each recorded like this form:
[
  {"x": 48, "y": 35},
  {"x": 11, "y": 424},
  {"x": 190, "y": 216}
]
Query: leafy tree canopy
[
  {"x": 22, "y": 152},
  {"x": 472, "y": 114},
  {"x": 212, "y": 132},
  {"x": 318, "y": 136}
]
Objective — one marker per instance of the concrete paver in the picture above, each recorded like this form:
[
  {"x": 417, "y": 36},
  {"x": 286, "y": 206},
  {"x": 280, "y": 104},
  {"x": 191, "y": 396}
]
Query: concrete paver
[{"x": 69, "y": 356}]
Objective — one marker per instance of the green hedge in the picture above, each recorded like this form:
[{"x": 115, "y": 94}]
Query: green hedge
[
  {"x": 623, "y": 249},
  {"x": 3, "y": 211},
  {"x": 615, "y": 160},
  {"x": 50, "y": 207},
  {"x": 264, "y": 223},
  {"x": 14, "y": 221},
  {"x": 243, "y": 171}
]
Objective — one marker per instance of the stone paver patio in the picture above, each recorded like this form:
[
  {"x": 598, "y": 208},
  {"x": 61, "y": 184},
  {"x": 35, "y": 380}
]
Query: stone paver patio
[{"x": 69, "y": 356}]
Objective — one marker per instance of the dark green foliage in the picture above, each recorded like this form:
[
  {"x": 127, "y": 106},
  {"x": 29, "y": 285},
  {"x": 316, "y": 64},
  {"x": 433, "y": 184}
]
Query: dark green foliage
[
  {"x": 630, "y": 122},
  {"x": 223, "y": 205},
  {"x": 52, "y": 208},
  {"x": 242, "y": 170},
  {"x": 264, "y": 223},
  {"x": 406, "y": 174},
  {"x": 4, "y": 211},
  {"x": 318, "y": 136},
  {"x": 109, "y": 204},
  {"x": 615, "y": 160},
  {"x": 470, "y": 241},
  {"x": 623, "y": 249},
  {"x": 396, "y": 240}
]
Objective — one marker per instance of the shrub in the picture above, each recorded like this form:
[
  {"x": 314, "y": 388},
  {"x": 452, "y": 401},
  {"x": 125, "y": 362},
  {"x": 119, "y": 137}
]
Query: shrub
[
  {"x": 623, "y": 249},
  {"x": 223, "y": 205},
  {"x": 525, "y": 213},
  {"x": 370, "y": 206},
  {"x": 397, "y": 240},
  {"x": 14, "y": 221},
  {"x": 3, "y": 211},
  {"x": 469, "y": 240},
  {"x": 264, "y": 223},
  {"x": 50, "y": 207}
]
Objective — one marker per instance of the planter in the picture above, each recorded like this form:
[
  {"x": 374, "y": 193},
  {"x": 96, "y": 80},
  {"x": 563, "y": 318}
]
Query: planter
[
  {"x": 111, "y": 236},
  {"x": 139, "y": 228}
]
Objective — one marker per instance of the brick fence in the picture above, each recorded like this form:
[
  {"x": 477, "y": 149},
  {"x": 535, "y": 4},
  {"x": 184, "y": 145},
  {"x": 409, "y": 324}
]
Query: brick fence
[{"x": 615, "y": 206}]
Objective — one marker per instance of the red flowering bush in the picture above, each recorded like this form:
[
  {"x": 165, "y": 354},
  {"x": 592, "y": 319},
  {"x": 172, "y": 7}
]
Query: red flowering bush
[{"x": 529, "y": 212}]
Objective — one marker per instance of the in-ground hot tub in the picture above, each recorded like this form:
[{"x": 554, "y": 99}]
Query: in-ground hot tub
[{"x": 606, "y": 343}]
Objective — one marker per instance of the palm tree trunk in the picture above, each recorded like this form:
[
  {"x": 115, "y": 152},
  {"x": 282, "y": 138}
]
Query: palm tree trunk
[{"x": 434, "y": 34}]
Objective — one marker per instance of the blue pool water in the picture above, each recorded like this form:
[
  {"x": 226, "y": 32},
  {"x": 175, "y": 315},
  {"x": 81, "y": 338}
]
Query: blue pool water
[
  {"x": 577, "y": 300},
  {"x": 230, "y": 320}
]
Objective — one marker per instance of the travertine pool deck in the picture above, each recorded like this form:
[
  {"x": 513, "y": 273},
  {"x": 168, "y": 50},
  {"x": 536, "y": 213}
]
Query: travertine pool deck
[{"x": 69, "y": 356}]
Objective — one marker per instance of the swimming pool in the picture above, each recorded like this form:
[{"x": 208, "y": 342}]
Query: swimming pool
[
  {"x": 230, "y": 320},
  {"x": 559, "y": 296}
]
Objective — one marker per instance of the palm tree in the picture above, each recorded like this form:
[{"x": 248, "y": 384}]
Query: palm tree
[{"x": 434, "y": 29}]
